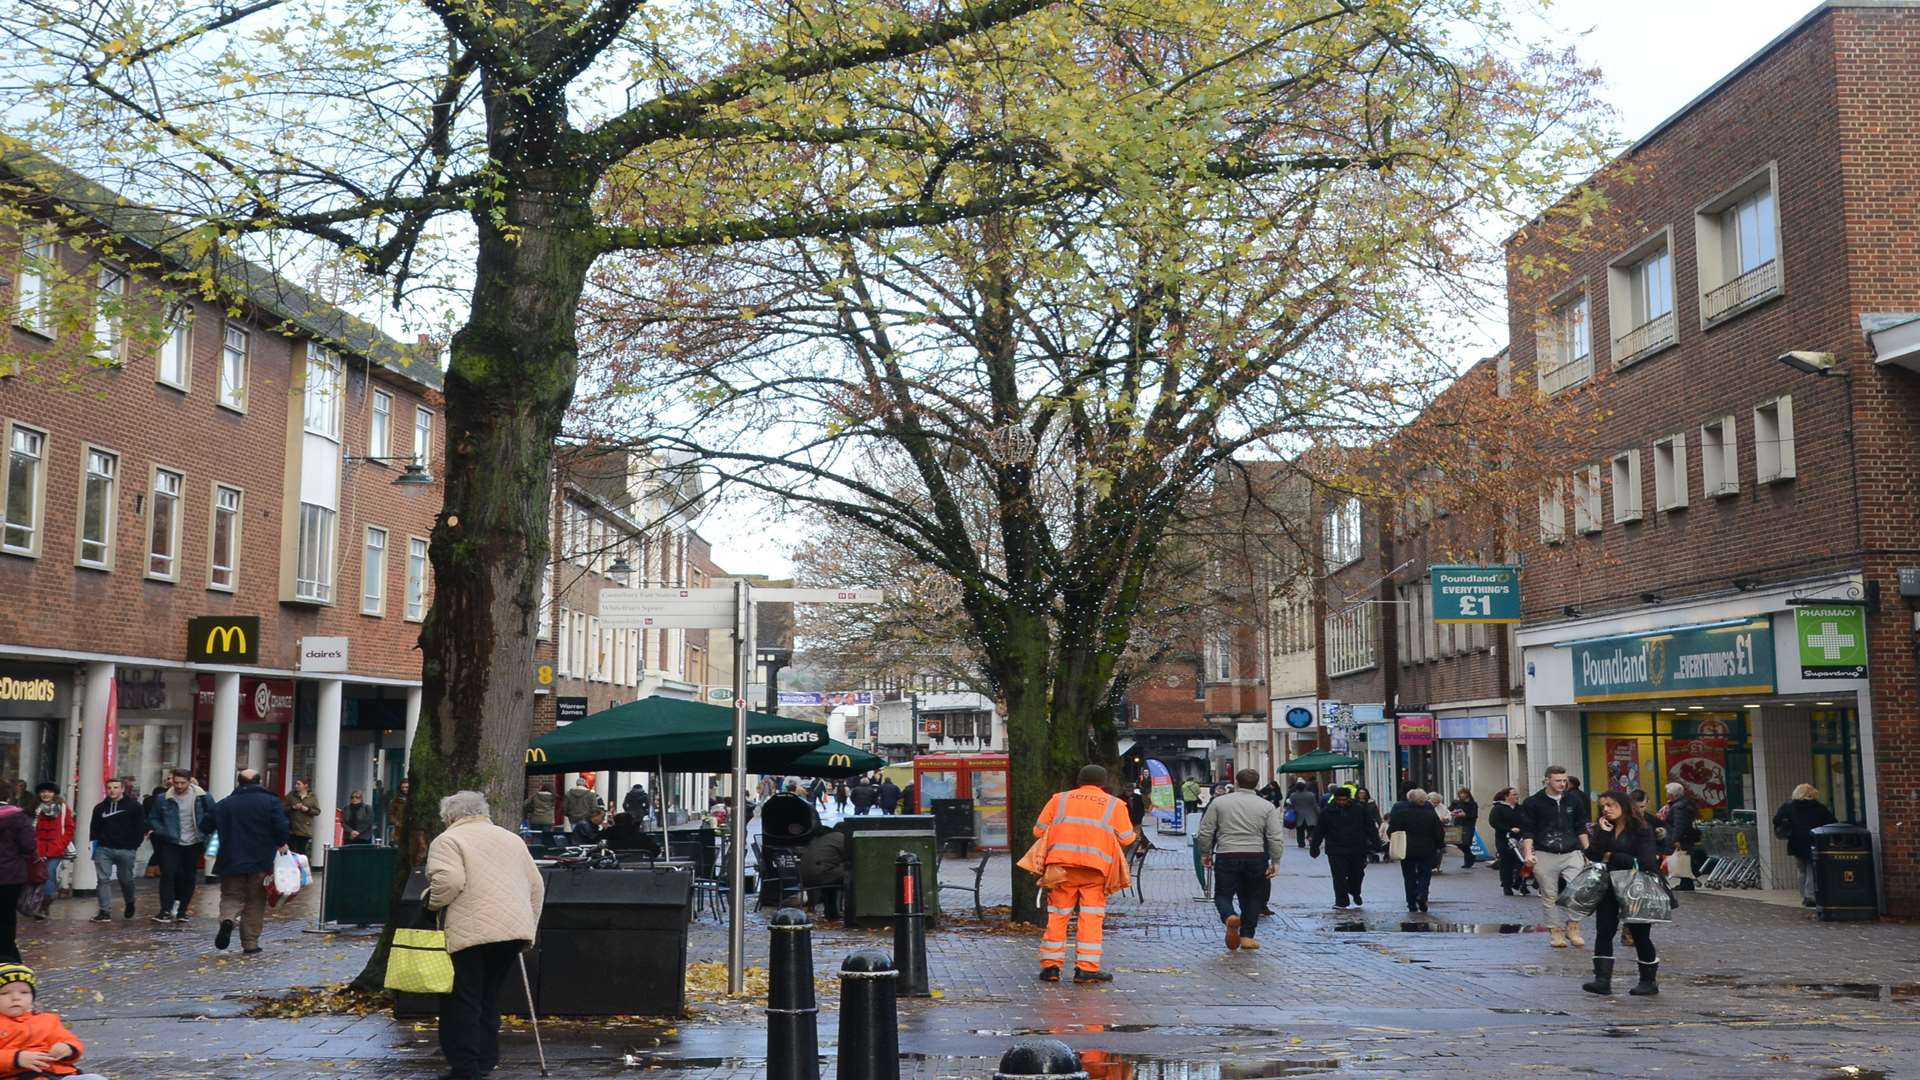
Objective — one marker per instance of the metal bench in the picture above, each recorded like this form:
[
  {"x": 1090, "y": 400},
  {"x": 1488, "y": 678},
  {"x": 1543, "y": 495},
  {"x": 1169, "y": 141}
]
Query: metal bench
[{"x": 979, "y": 874}]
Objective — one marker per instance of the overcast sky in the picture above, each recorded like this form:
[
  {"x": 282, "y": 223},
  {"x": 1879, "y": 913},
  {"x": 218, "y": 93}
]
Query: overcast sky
[{"x": 1655, "y": 56}]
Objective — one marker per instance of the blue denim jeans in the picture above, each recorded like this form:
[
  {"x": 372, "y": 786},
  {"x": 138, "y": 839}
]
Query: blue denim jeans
[{"x": 113, "y": 862}]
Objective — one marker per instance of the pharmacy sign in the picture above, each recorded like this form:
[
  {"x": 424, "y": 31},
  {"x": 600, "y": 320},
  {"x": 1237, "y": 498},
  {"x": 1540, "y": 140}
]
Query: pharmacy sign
[{"x": 1833, "y": 641}]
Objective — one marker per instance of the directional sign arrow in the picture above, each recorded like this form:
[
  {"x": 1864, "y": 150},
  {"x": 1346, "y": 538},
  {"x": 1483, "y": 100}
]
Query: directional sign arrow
[{"x": 818, "y": 596}]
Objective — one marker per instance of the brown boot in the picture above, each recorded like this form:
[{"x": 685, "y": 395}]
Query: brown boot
[
  {"x": 1233, "y": 932},
  {"x": 1573, "y": 934},
  {"x": 1557, "y": 937}
]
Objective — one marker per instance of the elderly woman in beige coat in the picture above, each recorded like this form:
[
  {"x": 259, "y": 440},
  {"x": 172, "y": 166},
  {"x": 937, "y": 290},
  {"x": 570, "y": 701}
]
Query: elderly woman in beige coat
[{"x": 482, "y": 876}]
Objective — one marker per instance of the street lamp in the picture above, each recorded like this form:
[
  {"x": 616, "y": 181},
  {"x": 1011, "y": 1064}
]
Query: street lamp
[
  {"x": 1812, "y": 363},
  {"x": 621, "y": 570},
  {"x": 412, "y": 472}
]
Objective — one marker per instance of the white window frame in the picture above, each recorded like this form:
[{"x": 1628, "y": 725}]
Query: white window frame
[
  {"x": 1350, "y": 640},
  {"x": 320, "y": 393},
  {"x": 315, "y": 572},
  {"x": 157, "y": 479},
  {"x": 237, "y": 512},
  {"x": 419, "y": 575},
  {"x": 33, "y": 290},
  {"x": 545, "y": 630},
  {"x": 373, "y": 572},
  {"x": 176, "y": 349},
  {"x": 110, "y": 287},
  {"x": 563, "y": 652},
  {"x": 582, "y": 656},
  {"x": 1563, "y": 345},
  {"x": 1670, "y": 482},
  {"x": 1773, "y": 454},
  {"x": 1640, "y": 323},
  {"x": 1588, "y": 514},
  {"x": 1731, "y": 280},
  {"x": 36, "y": 526},
  {"x": 111, "y": 511},
  {"x": 423, "y": 436},
  {"x": 1403, "y": 617},
  {"x": 1553, "y": 512},
  {"x": 1625, "y": 469},
  {"x": 1720, "y": 458},
  {"x": 236, "y": 363},
  {"x": 1341, "y": 532},
  {"x": 380, "y": 426}
]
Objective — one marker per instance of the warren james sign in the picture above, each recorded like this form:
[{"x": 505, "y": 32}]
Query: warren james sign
[{"x": 1705, "y": 661}]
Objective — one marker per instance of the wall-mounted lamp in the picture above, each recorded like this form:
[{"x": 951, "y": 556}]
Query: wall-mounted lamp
[
  {"x": 1571, "y": 611},
  {"x": 1649, "y": 597},
  {"x": 1812, "y": 363},
  {"x": 412, "y": 473},
  {"x": 621, "y": 570},
  {"x": 1746, "y": 584}
]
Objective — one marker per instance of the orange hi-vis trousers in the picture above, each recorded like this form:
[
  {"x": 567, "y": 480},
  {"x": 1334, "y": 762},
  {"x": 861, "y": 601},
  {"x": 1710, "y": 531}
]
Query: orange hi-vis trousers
[{"x": 1086, "y": 887}]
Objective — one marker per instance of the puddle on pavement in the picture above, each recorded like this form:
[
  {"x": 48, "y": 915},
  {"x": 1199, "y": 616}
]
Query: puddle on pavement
[
  {"x": 1895, "y": 993},
  {"x": 1098, "y": 1064},
  {"x": 1184, "y": 1030},
  {"x": 1430, "y": 926}
]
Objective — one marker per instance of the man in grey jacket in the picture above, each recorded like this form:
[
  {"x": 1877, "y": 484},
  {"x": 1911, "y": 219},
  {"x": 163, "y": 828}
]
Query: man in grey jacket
[{"x": 1242, "y": 838}]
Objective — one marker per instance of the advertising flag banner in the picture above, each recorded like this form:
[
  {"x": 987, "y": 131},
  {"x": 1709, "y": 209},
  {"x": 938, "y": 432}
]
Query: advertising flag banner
[{"x": 1623, "y": 764}]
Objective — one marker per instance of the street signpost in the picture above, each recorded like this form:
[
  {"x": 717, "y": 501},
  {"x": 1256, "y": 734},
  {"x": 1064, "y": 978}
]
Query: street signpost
[{"x": 721, "y": 609}]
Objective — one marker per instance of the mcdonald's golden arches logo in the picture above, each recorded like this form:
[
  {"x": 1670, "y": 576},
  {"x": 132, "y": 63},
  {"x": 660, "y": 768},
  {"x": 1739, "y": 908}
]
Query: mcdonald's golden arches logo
[
  {"x": 535, "y": 755},
  {"x": 224, "y": 639},
  {"x": 840, "y": 761}
]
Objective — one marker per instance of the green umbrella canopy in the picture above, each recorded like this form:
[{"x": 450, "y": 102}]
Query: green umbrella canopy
[
  {"x": 1320, "y": 761},
  {"x": 834, "y": 761},
  {"x": 672, "y": 735}
]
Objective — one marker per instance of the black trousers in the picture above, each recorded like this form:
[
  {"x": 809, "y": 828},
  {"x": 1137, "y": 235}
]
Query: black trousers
[
  {"x": 1300, "y": 834},
  {"x": 300, "y": 844},
  {"x": 1349, "y": 870},
  {"x": 10, "y": 921},
  {"x": 1416, "y": 872},
  {"x": 1510, "y": 868},
  {"x": 470, "y": 1016},
  {"x": 1244, "y": 880},
  {"x": 1606, "y": 926},
  {"x": 179, "y": 868}
]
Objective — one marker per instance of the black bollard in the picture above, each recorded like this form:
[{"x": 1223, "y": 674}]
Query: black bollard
[
  {"x": 1037, "y": 1058},
  {"x": 869, "y": 1018},
  {"x": 910, "y": 926},
  {"x": 793, "y": 1034}
]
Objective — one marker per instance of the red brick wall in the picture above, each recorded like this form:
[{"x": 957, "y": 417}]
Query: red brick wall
[
  {"x": 53, "y": 604},
  {"x": 1168, "y": 706}
]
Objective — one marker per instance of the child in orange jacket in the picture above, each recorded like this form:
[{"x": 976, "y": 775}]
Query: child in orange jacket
[{"x": 33, "y": 1044}]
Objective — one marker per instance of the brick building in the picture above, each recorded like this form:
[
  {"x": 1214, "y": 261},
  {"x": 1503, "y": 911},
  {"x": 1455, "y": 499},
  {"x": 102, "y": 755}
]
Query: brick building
[
  {"x": 206, "y": 558},
  {"x": 1699, "y": 584}
]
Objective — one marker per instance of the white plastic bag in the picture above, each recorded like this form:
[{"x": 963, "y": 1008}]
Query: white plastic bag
[
  {"x": 286, "y": 874},
  {"x": 306, "y": 870}
]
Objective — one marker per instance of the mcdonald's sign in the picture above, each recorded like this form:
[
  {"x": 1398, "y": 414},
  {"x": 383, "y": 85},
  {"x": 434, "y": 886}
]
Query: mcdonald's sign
[
  {"x": 840, "y": 761},
  {"x": 224, "y": 639},
  {"x": 536, "y": 756}
]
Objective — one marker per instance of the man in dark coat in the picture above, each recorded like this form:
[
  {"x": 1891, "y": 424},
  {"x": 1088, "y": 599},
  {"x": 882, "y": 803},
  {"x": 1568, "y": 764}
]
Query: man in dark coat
[
  {"x": 865, "y": 795},
  {"x": 1346, "y": 830},
  {"x": 823, "y": 866},
  {"x": 889, "y": 796},
  {"x": 253, "y": 828}
]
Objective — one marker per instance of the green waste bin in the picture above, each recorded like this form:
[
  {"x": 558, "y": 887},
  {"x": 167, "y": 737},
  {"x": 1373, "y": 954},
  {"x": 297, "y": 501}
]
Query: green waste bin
[
  {"x": 357, "y": 882},
  {"x": 874, "y": 841}
]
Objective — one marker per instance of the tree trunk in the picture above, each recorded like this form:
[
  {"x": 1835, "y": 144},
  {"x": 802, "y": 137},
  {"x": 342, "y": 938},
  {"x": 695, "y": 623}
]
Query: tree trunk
[
  {"x": 508, "y": 387},
  {"x": 1032, "y": 775}
]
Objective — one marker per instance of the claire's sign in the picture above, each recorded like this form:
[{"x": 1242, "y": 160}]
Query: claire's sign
[{"x": 1704, "y": 661}]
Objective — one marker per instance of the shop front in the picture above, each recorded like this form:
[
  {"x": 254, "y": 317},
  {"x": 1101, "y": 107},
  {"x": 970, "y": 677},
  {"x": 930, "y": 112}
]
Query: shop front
[
  {"x": 1472, "y": 754},
  {"x": 266, "y": 716},
  {"x": 1737, "y": 707},
  {"x": 34, "y": 699},
  {"x": 151, "y": 728}
]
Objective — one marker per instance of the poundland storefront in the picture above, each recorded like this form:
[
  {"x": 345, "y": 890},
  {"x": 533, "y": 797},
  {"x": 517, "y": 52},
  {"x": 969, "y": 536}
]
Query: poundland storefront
[{"x": 1738, "y": 699}]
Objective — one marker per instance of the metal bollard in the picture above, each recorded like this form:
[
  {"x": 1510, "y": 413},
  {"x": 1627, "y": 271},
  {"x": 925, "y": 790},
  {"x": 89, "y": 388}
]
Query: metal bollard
[
  {"x": 869, "y": 1018},
  {"x": 910, "y": 926},
  {"x": 1037, "y": 1058},
  {"x": 793, "y": 1034}
]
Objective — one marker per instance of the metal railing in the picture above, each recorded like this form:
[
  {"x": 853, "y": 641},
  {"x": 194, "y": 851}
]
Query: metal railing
[
  {"x": 1756, "y": 284},
  {"x": 1643, "y": 339},
  {"x": 1572, "y": 372}
]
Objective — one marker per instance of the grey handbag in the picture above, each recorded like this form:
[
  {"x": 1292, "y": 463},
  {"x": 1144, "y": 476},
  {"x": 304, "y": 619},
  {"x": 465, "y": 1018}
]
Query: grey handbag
[
  {"x": 1584, "y": 889},
  {"x": 1643, "y": 897}
]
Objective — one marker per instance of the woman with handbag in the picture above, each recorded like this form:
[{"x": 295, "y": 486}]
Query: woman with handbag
[
  {"x": 1794, "y": 822},
  {"x": 1505, "y": 822},
  {"x": 20, "y": 862},
  {"x": 1425, "y": 840},
  {"x": 1465, "y": 812},
  {"x": 1622, "y": 839}
]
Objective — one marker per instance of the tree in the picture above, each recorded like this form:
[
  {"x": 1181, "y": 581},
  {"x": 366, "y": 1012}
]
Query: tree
[{"x": 1082, "y": 366}]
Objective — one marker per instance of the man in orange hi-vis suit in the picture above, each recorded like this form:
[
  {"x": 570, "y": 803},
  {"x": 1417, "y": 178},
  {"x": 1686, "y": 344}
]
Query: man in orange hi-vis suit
[{"x": 1084, "y": 832}]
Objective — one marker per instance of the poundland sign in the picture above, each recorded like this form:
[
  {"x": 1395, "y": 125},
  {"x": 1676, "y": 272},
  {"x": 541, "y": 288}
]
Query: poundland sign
[{"x": 1687, "y": 661}]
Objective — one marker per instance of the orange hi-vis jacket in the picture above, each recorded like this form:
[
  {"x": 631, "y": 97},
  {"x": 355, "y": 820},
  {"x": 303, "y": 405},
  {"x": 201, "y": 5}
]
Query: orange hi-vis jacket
[{"x": 1085, "y": 827}]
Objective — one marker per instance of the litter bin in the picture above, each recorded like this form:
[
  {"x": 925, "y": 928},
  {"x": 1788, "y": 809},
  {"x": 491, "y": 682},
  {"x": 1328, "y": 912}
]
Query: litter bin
[
  {"x": 953, "y": 824},
  {"x": 357, "y": 883},
  {"x": 614, "y": 942},
  {"x": 874, "y": 841},
  {"x": 1844, "y": 888}
]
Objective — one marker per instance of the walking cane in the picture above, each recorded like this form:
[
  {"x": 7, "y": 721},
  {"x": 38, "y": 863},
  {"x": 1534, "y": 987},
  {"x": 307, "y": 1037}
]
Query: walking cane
[{"x": 531, "y": 1018}]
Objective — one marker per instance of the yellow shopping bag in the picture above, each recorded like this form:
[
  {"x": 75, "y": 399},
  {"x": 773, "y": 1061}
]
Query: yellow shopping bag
[{"x": 419, "y": 963}]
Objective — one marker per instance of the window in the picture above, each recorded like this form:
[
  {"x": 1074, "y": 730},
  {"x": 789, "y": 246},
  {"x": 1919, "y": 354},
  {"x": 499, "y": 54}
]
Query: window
[
  {"x": 1341, "y": 531},
  {"x": 1719, "y": 458},
  {"x": 98, "y": 510},
  {"x": 1350, "y": 645},
  {"x": 222, "y": 561},
  {"x": 416, "y": 579},
  {"x": 313, "y": 559},
  {"x": 1553, "y": 513},
  {"x": 1670, "y": 473},
  {"x": 34, "y": 291},
  {"x": 1640, "y": 294},
  {"x": 1403, "y": 621},
  {"x": 597, "y": 650},
  {"x": 1739, "y": 248},
  {"x": 25, "y": 490},
  {"x": 1626, "y": 487},
  {"x": 109, "y": 315},
  {"x": 1565, "y": 347},
  {"x": 563, "y": 657},
  {"x": 1773, "y": 441},
  {"x": 634, "y": 657},
  {"x": 1586, "y": 500},
  {"x": 577, "y": 635},
  {"x": 422, "y": 436},
  {"x": 322, "y": 393},
  {"x": 1221, "y": 647},
  {"x": 163, "y": 531},
  {"x": 380, "y": 429},
  {"x": 233, "y": 369},
  {"x": 373, "y": 573},
  {"x": 545, "y": 630},
  {"x": 174, "y": 365}
]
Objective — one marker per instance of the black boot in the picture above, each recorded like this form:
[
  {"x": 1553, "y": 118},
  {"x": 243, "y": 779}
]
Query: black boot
[
  {"x": 1649, "y": 983},
  {"x": 1602, "y": 976}
]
